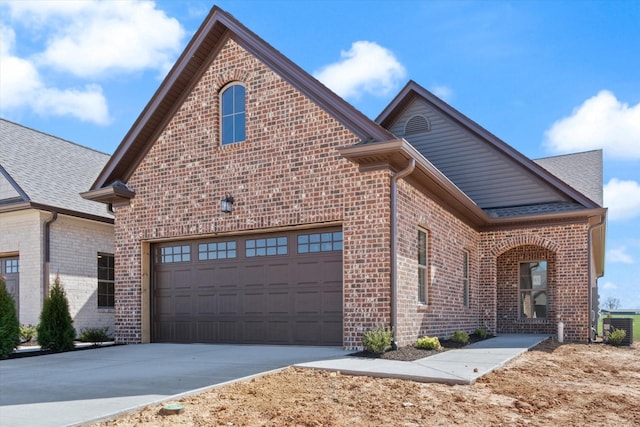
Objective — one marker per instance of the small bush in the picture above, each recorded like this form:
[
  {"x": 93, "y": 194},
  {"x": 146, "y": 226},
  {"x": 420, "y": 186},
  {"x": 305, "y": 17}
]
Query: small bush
[
  {"x": 55, "y": 331},
  {"x": 95, "y": 335},
  {"x": 460, "y": 337},
  {"x": 28, "y": 333},
  {"x": 427, "y": 343},
  {"x": 617, "y": 336},
  {"x": 9, "y": 324},
  {"x": 480, "y": 333},
  {"x": 377, "y": 340}
]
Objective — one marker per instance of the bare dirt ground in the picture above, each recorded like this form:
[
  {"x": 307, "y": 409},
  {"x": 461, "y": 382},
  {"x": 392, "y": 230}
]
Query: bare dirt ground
[{"x": 552, "y": 385}]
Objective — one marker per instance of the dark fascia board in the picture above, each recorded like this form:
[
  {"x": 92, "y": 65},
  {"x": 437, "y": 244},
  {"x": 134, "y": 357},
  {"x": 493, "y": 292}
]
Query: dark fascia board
[
  {"x": 135, "y": 145},
  {"x": 412, "y": 90},
  {"x": 395, "y": 154},
  {"x": 117, "y": 194},
  {"x": 39, "y": 206}
]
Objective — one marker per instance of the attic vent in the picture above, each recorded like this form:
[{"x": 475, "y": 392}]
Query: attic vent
[{"x": 417, "y": 124}]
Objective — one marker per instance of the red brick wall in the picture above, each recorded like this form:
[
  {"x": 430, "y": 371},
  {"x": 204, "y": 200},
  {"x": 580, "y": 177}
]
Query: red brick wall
[
  {"x": 566, "y": 249},
  {"x": 444, "y": 312},
  {"x": 287, "y": 172}
]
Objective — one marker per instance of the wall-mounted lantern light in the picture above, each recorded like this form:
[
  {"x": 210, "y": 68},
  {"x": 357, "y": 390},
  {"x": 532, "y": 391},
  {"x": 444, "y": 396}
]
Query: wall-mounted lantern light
[{"x": 226, "y": 204}]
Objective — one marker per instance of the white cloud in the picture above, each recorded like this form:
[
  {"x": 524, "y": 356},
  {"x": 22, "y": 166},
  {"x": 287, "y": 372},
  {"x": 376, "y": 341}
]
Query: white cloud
[
  {"x": 622, "y": 198},
  {"x": 619, "y": 255},
  {"x": 21, "y": 86},
  {"x": 93, "y": 38},
  {"x": 600, "y": 122},
  {"x": 443, "y": 92},
  {"x": 366, "y": 67},
  {"x": 609, "y": 286}
]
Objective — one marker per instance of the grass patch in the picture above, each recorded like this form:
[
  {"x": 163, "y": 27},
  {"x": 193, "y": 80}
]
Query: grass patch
[{"x": 636, "y": 324}]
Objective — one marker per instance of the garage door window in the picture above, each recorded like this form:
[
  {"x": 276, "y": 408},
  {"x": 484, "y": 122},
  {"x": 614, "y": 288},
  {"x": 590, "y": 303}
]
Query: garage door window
[
  {"x": 266, "y": 247},
  {"x": 175, "y": 254},
  {"x": 217, "y": 250},
  {"x": 320, "y": 242}
]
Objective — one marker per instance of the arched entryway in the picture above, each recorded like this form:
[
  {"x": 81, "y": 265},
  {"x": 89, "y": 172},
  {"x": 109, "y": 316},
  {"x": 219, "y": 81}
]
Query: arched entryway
[{"x": 526, "y": 287}]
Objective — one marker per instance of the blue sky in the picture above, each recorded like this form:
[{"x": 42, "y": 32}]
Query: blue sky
[{"x": 547, "y": 77}]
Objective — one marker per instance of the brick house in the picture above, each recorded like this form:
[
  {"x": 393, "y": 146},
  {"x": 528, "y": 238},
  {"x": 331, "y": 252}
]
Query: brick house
[
  {"x": 46, "y": 228},
  {"x": 253, "y": 205}
]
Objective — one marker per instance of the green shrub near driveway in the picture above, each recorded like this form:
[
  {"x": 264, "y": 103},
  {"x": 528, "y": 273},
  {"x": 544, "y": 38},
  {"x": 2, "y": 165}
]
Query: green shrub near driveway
[
  {"x": 481, "y": 333},
  {"x": 9, "y": 324},
  {"x": 377, "y": 340},
  {"x": 94, "y": 335},
  {"x": 55, "y": 331},
  {"x": 28, "y": 333},
  {"x": 460, "y": 337},
  {"x": 429, "y": 343}
]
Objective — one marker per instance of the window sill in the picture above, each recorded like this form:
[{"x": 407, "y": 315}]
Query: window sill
[{"x": 106, "y": 309}]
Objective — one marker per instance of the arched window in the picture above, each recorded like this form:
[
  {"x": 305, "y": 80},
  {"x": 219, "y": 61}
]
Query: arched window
[{"x": 233, "y": 116}]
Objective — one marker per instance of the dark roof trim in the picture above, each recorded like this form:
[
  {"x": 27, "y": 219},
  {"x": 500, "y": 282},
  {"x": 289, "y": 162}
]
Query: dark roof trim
[
  {"x": 412, "y": 90},
  {"x": 396, "y": 154},
  {"x": 14, "y": 184},
  {"x": 192, "y": 63},
  {"x": 115, "y": 194},
  {"x": 68, "y": 212}
]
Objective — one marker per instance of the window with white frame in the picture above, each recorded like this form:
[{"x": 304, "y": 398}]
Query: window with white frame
[
  {"x": 465, "y": 278},
  {"x": 423, "y": 266},
  {"x": 106, "y": 294}
]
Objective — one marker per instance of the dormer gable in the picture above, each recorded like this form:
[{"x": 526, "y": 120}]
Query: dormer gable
[{"x": 493, "y": 174}]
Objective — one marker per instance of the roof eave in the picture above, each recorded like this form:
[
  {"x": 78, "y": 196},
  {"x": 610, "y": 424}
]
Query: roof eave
[{"x": 114, "y": 195}]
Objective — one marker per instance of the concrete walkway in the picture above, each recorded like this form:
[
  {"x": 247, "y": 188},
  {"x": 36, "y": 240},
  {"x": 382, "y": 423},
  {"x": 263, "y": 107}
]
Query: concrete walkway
[{"x": 462, "y": 366}]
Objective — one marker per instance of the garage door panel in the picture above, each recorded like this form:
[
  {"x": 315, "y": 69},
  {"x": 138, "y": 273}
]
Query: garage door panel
[
  {"x": 254, "y": 303},
  {"x": 182, "y": 279},
  {"x": 277, "y": 303},
  {"x": 227, "y": 276},
  {"x": 228, "y": 303},
  {"x": 266, "y": 293},
  {"x": 255, "y": 331},
  {"x": 253, "y": 275},
  {"x": 207, "y": 304},
  {"x": 183, "y": 331},
  {"x": 308, "y": 302},
  {"x": 204, "y": 277},
  {"x": 279, "y": 332},
  {"x": 228, "y": 331},
  {"x": 206, "y": 331},
  {"x": 332, "y": 302}
]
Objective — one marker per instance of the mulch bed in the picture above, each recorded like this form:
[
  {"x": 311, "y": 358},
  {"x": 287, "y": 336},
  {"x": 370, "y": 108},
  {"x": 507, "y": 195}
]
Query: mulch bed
[
  {"x": 21, "y": 354},
  {"x": 411, "y": 353}
]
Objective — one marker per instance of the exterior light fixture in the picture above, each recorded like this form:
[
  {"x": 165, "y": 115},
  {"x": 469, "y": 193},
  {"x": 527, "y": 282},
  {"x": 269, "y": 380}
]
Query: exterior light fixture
[{"x": 226, "y": 204}]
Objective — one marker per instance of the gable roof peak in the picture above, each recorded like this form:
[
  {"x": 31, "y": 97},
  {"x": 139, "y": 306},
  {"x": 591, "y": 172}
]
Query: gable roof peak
[{"x": 218, "y": 26}]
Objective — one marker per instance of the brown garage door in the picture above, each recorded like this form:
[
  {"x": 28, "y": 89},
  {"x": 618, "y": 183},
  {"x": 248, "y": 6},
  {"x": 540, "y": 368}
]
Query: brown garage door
[{"x": 279, "y": 288}]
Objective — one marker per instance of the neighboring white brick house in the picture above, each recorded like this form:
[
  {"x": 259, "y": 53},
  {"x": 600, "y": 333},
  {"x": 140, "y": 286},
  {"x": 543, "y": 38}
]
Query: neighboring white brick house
[{"x": 47, "y": 229}]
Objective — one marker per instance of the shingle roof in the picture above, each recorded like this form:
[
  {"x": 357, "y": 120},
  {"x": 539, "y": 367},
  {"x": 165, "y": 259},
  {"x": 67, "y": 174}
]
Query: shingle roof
[
  {"x": 582, "y": 171},
  {"x": 47, "y": 171},
  {"x": 537, "y": 209}
]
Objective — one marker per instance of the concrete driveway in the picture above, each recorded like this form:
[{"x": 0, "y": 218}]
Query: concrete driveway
[{"x": 77, "y": 387}]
